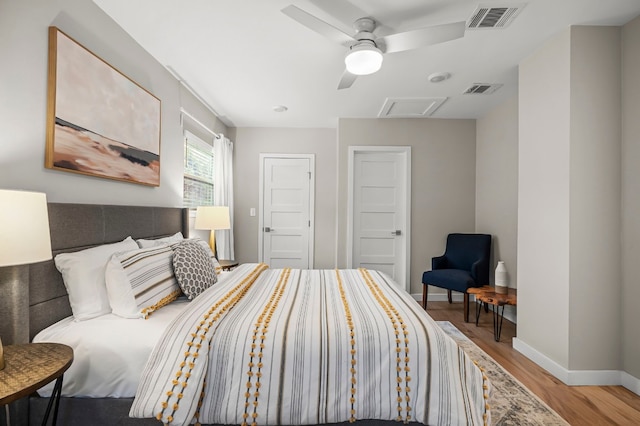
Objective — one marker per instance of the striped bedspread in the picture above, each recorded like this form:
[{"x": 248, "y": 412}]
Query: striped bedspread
[{"x": 297, "y": 347}]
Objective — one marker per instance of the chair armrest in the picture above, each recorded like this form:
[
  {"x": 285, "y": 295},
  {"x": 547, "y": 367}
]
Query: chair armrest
[
  {"x": 478, "y": 270},
  {"x": 439, "y": 262}
]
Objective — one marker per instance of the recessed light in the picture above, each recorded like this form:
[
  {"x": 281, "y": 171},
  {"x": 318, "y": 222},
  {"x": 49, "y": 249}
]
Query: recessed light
[
  {"x": 438, "y": 77},
  {"x": 280, "y": 108}
]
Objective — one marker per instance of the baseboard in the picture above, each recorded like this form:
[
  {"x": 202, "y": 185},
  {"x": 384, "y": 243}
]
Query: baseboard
[
  {"x": 578, "y": 377},
  {"x": 439, "y": 297},
  {"x": 509, "y": 311},
  {"x": 630, "y": 382}
]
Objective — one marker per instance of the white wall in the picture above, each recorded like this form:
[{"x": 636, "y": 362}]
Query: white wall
[
  {"x": 23, "y": 76},
  {"x": 569, "y": 200},
  {"x": 249, "y": 144},
  {"x": 630, "y": 199},
  {"x": 497, "y": 184},
  {"x": 443, "y": 173}
]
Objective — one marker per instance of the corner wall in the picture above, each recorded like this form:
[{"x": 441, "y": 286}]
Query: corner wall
[
  {"x": 497, "y": 184},
  {"x": 23, "y": 75},
  {"x": 569, "y": 205},
  {"x": 543, "y": 199},
  {"x": 630, "y": 200}
]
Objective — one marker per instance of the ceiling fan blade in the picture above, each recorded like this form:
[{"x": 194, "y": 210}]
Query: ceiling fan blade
[
  {"x": 317, "y": 25},
  {"x": 343, "y": 11},
  {"x": 423, "y": 37},
  {"x": 346, "y": 80},
  {"x": 347, "y": 13}
]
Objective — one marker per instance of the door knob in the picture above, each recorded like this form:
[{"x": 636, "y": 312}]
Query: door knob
[
  {"x": 267, "y": 229},
  {"x": 396, "y": 232}
]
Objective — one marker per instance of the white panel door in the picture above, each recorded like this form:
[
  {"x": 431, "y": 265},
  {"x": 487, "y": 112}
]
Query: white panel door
[
  {"x": 379, "y": 213},
  {"x": 286, "y": 213}
]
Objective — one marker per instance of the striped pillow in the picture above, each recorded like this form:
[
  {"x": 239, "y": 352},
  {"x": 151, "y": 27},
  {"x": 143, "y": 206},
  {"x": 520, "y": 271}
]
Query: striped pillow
[{"x": 141, "y": 281}]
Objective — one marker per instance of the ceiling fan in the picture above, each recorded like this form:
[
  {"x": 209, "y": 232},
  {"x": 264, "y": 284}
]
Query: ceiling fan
[{"x": 365, "y": 49}]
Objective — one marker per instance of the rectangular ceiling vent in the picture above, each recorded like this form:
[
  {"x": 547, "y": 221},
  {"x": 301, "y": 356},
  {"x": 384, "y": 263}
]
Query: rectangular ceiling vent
[
  {"x": 482, "y": 89},
  {"x": 493, "y": 16},
  {"x": 410, "y": 107}
]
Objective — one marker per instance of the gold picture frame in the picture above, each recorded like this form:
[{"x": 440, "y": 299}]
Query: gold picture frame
[{"x": 99, "y": 121}]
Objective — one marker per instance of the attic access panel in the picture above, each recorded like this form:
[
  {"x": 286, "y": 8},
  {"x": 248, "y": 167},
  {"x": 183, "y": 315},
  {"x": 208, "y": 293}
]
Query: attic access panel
[{"x": 410, "y": 107}]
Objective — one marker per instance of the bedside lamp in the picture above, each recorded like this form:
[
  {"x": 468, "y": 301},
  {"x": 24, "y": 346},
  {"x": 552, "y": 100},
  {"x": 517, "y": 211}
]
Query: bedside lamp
[
  {"x": 212, "y": 218},
  {"x": 24, "y": 239}
]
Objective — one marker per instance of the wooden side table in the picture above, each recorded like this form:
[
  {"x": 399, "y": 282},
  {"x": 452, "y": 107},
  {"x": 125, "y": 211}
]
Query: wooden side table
[
  {"x": 30, "y": 366},
  {"x": 227, "y": 265},
  {"x": 487, "y": 295}
]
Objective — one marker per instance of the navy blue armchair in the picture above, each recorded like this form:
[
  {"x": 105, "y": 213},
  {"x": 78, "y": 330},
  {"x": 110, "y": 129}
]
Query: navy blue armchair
[{"x": 464, "y": 264}]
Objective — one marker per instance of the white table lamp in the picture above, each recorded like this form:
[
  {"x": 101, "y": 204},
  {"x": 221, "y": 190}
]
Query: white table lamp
[
  {"x": 212, "y": 218},
  {"x": 24, "y": 239}
]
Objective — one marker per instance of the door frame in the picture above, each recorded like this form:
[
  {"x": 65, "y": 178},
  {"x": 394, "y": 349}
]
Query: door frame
[
  {"x": 312, "y": 200},
  {"x": 405, "y": 151}
]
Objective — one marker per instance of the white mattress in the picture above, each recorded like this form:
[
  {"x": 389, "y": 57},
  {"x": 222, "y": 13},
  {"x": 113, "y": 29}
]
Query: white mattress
[{"x": 109, "y": 352}]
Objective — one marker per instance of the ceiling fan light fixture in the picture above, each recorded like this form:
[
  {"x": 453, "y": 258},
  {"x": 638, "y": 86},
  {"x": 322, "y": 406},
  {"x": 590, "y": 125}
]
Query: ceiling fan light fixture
[{"x": 363, "y": 58}]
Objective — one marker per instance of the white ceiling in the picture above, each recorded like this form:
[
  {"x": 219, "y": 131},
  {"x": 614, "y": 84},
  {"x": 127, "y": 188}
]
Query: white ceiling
[{"x": 244, "y": 57}]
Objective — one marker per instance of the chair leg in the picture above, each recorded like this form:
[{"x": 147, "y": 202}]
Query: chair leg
[
  {"x": 466, "y": 307},
  {"x": 449, "y": 296},
  {"x": 425, "y": 293}
]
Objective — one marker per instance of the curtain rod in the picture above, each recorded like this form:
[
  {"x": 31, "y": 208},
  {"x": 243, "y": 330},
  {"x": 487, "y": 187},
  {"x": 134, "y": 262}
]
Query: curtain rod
[{"x": 195, "y": 120}]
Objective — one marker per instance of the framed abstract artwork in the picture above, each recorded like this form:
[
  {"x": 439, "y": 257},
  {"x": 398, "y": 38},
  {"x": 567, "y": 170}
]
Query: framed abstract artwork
[{"x": 99, "y": 122}]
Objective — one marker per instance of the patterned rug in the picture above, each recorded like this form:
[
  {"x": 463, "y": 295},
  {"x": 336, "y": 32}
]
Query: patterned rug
[{"x": 511, "y": 402}]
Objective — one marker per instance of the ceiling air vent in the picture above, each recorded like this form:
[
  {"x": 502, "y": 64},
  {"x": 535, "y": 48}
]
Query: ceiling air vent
[
  {"x": 482, "y": 89},
  {"x": 493, "y": 16}
]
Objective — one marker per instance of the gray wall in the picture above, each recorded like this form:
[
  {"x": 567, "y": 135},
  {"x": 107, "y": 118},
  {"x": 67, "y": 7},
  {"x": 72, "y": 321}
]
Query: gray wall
[
  {"x": 249, "y": 144},
  {"x": 569, "y": 199},
  {"x": 630, "y": 198},
  {"x": 497, "y": 184},
  {"x": 443, "y": 170},
  {"x": 23, "y": 76},
  {"x": 595, "y": 223}
]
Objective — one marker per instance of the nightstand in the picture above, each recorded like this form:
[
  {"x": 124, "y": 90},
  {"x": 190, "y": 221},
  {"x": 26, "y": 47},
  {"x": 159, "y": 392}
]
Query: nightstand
[
  {"x": 30, "y": 366},
  {"x": 227, "y": 265}
]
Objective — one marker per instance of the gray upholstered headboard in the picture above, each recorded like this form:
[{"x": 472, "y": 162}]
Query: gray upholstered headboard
[{"x": 78, "y": 226}]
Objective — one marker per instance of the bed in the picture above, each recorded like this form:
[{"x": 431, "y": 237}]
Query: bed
[{"x": 75, "y": 227}]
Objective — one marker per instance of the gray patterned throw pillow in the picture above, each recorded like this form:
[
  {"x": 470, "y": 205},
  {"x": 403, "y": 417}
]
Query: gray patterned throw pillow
[{"x": 193, "y": 268}]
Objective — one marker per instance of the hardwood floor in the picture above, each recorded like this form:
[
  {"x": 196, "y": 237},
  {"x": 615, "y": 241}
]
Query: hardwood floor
[{"x": 578, "y": 405}]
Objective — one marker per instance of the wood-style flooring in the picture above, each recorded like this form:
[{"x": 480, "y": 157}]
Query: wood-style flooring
[{"x": 578, "y": 405}]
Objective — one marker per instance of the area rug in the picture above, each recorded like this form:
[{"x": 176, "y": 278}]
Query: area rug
[{"x": 511, "y": 402}]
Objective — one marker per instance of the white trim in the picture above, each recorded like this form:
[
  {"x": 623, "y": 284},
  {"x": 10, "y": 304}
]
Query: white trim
[
  {"x": 406, "y": 152},
  {"x": 312, "y": 200},
  {"x": 578, "y": 377},
  {"x": 630, "y": 382},
  {"x": 439, "y": 297},
  {"x": 184, "y": 112}
]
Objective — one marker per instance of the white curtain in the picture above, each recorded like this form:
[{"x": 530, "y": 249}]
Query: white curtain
[{"x": 223, "y": 192}]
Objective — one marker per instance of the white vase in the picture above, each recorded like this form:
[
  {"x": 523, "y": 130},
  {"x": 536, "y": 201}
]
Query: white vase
[{"x": 501, "y": 278}]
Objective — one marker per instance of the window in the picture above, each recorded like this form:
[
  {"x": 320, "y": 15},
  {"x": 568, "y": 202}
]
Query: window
[{"x": 198, "y": 172}]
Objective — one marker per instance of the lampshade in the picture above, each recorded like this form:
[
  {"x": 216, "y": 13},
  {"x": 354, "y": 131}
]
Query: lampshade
[
  {"x": 24, "y": 228},
  {"x": 212, "y": 217},
  {"x": 363, "y": 58}
]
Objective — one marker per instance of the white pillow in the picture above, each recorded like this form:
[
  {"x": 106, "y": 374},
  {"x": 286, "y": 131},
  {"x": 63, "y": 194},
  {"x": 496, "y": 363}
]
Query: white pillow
[
  {"x": 83, "y": 275},
  {"x": 166, "y": 240},
  {"x": 141, "y": 281}
]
